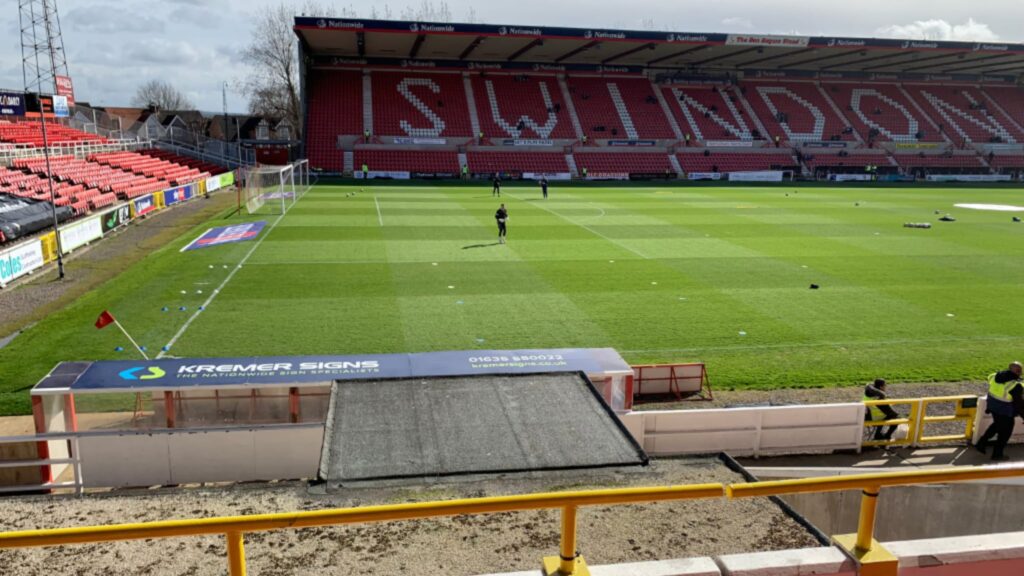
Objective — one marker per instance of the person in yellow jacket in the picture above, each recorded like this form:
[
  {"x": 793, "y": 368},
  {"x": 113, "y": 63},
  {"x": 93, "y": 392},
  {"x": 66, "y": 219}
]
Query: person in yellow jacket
[
  {"x": 879, "y": 412},
  {"x": 1005, "y": 402}
]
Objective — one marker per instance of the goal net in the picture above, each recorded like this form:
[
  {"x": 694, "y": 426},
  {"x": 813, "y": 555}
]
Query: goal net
[{"x": 273, "y": 189}]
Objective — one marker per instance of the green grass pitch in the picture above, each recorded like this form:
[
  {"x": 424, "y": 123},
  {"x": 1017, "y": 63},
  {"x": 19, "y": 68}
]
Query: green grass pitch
[{"x": 716, "y": 274}]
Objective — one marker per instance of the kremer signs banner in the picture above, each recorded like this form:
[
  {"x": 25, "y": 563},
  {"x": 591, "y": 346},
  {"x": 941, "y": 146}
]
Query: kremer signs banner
[{"x": 280, "y": 370}]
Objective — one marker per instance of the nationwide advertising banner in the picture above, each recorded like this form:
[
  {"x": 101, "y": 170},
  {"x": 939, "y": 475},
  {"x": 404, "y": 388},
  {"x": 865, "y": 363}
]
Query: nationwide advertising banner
[
  {"x": 12, "y": 104},
  {"x": 226, "y": 235},
  {"x": 81, "y": 233},
  {"x": 116, "y": 218},
  {"x": 278, "y": 370},
  {"x": 20, "y": 260}
]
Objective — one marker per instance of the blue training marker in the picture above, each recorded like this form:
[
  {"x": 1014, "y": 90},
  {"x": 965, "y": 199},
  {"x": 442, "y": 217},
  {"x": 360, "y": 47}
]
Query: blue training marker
[
  {"x": 202, "y": 308},
  {"x": 119, "y": 349},
  {"x": 182, "y": 309},
  {"x": 143, "y": 348},
  {"x": 166, "y": 348},
  {"x": 164, "y": 309}
]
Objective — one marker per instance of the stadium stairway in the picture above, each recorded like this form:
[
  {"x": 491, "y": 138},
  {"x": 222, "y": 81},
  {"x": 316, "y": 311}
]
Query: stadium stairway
[{"x": 573, "y": 116}]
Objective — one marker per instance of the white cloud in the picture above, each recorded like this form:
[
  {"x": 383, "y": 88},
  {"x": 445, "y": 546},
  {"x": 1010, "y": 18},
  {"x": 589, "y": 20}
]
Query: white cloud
[
  {"x": 936, "y": 29},
  {"x": 737, "y": 22}
]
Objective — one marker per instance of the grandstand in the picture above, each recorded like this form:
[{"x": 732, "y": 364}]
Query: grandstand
[
  {"x": 90, "y": 172},
  {"x": 530, "y": 101}
]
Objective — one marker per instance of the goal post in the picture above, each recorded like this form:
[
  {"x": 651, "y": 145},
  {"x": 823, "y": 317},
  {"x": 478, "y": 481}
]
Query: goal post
[{"x": 269, "y": 189}]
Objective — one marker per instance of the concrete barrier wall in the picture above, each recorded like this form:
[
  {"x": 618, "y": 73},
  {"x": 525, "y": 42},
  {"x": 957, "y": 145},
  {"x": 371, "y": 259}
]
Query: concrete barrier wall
[
  {"x": 978, "y": 555},
  {"x": 906, "y": 513},
  {"x": 179, "y": 457},
  {"x": 987, "y": 555},
  {"x": 748, "y": 431}
]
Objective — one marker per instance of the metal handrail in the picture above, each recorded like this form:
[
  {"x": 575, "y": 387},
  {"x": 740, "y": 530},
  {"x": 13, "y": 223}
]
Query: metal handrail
[
  {"x": 918, "y": 419},
  {"x": 567, "y": 563}
]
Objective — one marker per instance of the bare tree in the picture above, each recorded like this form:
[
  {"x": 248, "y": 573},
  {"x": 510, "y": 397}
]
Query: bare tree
[
  {"x": 272, "y": 54},
  {"x": 160, "y": 95}
]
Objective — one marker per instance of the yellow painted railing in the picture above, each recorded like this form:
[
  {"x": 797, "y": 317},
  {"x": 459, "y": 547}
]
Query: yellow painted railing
[
  {"x": 918, "y": 419},
  {"x": 568, "y": 562}
]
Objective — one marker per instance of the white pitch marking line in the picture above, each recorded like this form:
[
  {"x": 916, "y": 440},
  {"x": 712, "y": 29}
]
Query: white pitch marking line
[
  {"x": 380, "y": 218},
  {"x": 585, "y": 227},
  {"x": 230, "y": 275}
]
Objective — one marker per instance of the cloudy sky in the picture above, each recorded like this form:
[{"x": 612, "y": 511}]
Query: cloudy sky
[{"x": 115, "y": 45}]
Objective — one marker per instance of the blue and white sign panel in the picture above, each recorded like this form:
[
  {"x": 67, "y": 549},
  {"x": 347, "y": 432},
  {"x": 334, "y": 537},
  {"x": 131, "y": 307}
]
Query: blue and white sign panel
[
  {"x": 179, "y": 194},
  {"x": 169, "y": 374},
  {"x": 227, "y": 235},
  {"x": 60, "y": 107}
]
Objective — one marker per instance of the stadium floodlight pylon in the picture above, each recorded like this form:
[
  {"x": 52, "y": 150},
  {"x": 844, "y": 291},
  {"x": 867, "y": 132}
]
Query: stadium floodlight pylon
[{"x": 274, "y": 189}]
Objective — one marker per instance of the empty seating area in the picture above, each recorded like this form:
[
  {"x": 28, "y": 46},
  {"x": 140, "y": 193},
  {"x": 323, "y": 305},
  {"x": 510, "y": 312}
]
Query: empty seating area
[
  {"x": 945, "y": 162},
  {"x": 882, "y": 113},
  {"x": 148, "y": 166},
  {"x": 520, "y": 106},
  {"x": 963, "y": 113},
  {"x": 736, "y": 162},
  {"x": 31, "y": 134},
  {"x": 516, "y": 162},
  {"x": 618, "y": 109},
  {"x": 188, "y": 161},
  {"x": 1006, "y": 161},
  {"x": 795, "y": 111},
  {"x": 837, "y": 163},
  {"x": 80, "y": 198},
  {"x": 91, "y": 175},
  {"x": 334, "y": 102},
  {"x": 420, "y": 105},
  {"x": 379, "y": 160},
  {"x": 709, "y": 113},
  {"x": 654, "y": 163},
  {"x": 1010, "y": 99}
]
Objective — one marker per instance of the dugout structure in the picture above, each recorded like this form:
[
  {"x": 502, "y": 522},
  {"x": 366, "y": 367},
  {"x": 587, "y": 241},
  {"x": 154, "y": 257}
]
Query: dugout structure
[{"x": 171, "y": 421}]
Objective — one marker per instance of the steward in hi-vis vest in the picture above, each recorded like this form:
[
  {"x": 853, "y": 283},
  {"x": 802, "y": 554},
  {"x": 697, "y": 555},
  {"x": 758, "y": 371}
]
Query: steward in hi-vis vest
[
  {"x": 1005, "y": 401},
  {"x": 880, "y": 412}
]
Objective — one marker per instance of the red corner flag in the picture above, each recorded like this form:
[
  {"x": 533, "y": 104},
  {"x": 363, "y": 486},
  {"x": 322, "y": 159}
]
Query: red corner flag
[{"x": 105, "y": 319}]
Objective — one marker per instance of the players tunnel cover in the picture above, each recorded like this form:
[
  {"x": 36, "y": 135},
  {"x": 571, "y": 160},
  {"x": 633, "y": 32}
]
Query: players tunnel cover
[{"x": 485, "y": 424}]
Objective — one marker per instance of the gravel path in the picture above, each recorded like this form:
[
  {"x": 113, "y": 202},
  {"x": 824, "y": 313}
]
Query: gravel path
[
  {"x": 89, "y": 267},
  {"x": 462, "y": 545}
]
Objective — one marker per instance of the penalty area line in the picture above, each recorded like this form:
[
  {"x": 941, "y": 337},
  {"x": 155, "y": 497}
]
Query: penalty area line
[{"x": 380, "y": 218}]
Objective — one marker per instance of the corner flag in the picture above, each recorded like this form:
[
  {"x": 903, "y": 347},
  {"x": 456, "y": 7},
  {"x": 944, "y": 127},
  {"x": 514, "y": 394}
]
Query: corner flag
[{"x": 105, "y": 319}]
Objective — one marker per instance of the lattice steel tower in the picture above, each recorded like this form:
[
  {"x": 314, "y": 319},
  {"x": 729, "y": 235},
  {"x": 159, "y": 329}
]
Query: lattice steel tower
[{"x": 42, "y": 48}]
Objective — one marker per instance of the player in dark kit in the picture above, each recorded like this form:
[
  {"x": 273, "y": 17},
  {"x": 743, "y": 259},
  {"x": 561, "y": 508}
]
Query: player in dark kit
[
  {"x": 502, "y": 217},
  {"x": 544, "y": 186},
  {"x": 496, "y": 189}
]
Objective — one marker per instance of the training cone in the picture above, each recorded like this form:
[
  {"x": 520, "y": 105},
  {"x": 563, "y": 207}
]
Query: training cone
[{"x": 119, "y": 349}]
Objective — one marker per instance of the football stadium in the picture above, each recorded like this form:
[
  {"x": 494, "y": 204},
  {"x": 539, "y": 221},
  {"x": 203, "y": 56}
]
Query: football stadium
[{"x": 483, "y": 298}]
